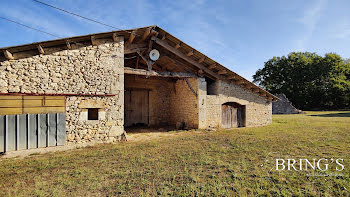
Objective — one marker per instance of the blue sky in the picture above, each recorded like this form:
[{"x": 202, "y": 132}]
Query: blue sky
[{"x": 241, "y": 35}]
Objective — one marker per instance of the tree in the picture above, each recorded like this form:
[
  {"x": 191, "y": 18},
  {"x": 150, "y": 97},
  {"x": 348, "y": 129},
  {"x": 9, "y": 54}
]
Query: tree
[{"x": 310, "y": 81}]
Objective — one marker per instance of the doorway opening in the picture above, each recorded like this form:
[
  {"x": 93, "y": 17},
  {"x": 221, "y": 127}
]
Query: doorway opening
[
  {"x": 233, "y": 115},
  {"x": 136, "y": 107}
]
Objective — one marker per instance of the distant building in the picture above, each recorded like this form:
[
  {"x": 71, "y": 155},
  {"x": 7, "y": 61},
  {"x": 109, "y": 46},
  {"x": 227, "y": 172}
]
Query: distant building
[{"x": 284, "y": 106}]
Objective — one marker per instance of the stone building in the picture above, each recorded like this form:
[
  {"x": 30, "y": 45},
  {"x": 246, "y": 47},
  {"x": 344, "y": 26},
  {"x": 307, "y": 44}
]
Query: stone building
[
  {"x": 107, "y": 81},
  {"x": 284, "y": 106}
]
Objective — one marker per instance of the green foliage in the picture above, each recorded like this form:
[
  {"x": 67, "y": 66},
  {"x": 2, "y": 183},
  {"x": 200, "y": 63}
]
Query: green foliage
[{"x": 308, "y": 80}]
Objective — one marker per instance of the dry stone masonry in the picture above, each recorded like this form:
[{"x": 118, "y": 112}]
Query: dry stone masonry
[
  {"x": 284, "y": 106},
  {"x": 91, "y": 76},
  {"x": 258, "y": 109},
  {"x": 92, "y": 70}
]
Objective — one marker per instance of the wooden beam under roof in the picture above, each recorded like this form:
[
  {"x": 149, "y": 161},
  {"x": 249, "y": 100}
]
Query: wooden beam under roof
[
  {"x": 239, "y": 82},
  {"x": 115, "y": 37},
  {"x": 133, "y": 48},
  {"x": 200, "y": 72},
  {"x": 154, "y": 33},
  {"x": 256, "y": 90},
  {"x": 165, "y": 67},
  {"x": 93, "y": 40},
  {"x": 222, "y": 72},
  {"x": 131, "y": 37},
  {"x": 231, "y": 77},
  {"x": 201, "y": 60},
  {"x": 40, "y": 49},
  {"x": 164, "y": 36},
  {"x": 8, "y": 55},
  {"x": 248, "y": 86},
  {"x": 189, "y": 54},
  {"x": 177, "y": 63},
  {"x": 184, "y": 57},
  {"x": 68, "y": 44},
  {"x": 212, "y": 66},
  {"x": 146, "y": 34},
  {"x": 178, "y": 45},
  {"x": 133, "y": 71}
]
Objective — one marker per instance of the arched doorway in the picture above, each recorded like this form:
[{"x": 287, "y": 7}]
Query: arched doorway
[{"x": 233, "y": 115}]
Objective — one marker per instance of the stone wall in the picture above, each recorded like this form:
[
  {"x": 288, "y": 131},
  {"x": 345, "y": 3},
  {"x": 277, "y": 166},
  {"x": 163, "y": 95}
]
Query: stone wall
[
  {"x": 82, "y": 70},
  {"x": 202, "y": 103},
  {"x": 284, "y": 106},
  {"x": 258, "y": 109},
  {"x": 184, "y": 103}
]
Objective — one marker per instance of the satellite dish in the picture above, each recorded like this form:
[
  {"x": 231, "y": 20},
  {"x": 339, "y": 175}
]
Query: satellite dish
[{"x": 154, "y": 55}]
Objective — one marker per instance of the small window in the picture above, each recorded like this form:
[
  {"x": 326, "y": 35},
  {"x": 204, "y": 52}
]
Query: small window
[
  {"x": 93, "y": 114},
  {"x": 212, "y": 88}
]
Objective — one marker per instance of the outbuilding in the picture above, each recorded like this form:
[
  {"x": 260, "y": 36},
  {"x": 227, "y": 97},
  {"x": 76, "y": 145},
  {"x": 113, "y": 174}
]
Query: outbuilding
[{"x": 90, "y": 88}]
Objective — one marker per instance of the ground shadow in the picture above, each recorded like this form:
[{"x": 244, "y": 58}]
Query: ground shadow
[
  {"x": 147, "y": 129},
  {"x": 343, "y": 114}
]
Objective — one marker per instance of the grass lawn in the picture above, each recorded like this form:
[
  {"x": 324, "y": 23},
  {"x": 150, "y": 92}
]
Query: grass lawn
[{"x": 195, "y": 163}]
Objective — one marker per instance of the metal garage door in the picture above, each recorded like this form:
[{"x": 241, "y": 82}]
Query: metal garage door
[{"x": 31, "y": 122}]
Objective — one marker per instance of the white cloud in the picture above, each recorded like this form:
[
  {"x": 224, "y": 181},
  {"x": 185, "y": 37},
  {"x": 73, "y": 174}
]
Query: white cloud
[{"x": 310, "y": 21}]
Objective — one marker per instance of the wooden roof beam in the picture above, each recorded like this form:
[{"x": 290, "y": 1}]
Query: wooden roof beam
[
  {"x": 8, "y": 55},
  {"x": 212, "y": 66},
  {"x": 262, "y": 94},
  {"x": 133, "y": 48},
  {"x": 189, "y": 54},
  {"x": 201, "y": 60},
  {"x": 68, "y": 44},
  {"x": 222, "y": 72},
  {"x": 256, "y": 90},
  {"x": 132, "y": 37},
  {"x": 232, "y": 77},
  {"x": 165, "y": 67},
  {"x": 184, "y": 57},
  {"x": 177, "y": 63},
  {"x": 133, "y": 71},
  {"x": 178, "y": 45},
  {"x": 164, "y": 36},
  {"x": 115, "y": 37},
  {"x": 239, "y": 82},
  {"x": 154, "y": 33},
  {"x": 248, "y": 86},
  {"x": 200, "y": 72},
  {"x": 146, "y": 34},
  {"x": 40, "y": 49},
  {"x": 93, "y": 40}
]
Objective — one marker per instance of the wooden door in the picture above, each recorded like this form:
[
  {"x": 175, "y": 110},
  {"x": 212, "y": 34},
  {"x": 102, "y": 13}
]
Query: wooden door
[
  {"x": 241, "y": 116},
  {"x": 229, "y": 117},
  {"x": 136, "y": 107}
]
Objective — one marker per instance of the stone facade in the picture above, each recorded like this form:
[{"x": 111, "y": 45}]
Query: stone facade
[
  {"x": 91, "y": 70},
  {"x": 284, "y": 106},
  {"x": 173, "y": 102},
  {"x": 92, "y": 77},
  {"x": 258, "y": 109},
  {"x": 184, "y": 103}
]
